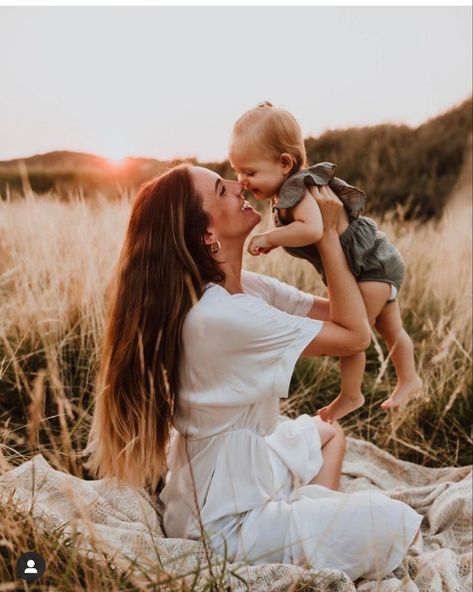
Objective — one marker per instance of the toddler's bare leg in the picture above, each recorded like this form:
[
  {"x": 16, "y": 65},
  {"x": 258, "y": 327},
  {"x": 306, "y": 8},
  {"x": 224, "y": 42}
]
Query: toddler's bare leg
[
  {"x": 352, "y": 369},
  {"x": 374, "y": 295},
  {"x": 409, "y": 383}
]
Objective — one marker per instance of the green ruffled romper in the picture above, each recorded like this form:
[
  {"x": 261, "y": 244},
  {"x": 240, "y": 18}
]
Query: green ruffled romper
[{"x": 370, "y": 255}]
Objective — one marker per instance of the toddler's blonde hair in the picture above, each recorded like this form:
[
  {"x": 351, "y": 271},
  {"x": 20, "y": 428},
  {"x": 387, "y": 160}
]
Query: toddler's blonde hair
[{"x": 276, "y": 130}]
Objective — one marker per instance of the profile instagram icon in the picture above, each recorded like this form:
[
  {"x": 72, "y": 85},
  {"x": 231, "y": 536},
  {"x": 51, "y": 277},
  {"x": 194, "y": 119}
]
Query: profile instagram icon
[{"x": 30, "y": 566}]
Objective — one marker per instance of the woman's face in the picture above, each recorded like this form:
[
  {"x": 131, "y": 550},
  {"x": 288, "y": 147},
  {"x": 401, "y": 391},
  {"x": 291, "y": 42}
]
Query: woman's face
[{"x": 232, "y": 217}]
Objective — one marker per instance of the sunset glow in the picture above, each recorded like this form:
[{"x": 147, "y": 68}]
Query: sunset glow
[{"x": 115, "y": 162}]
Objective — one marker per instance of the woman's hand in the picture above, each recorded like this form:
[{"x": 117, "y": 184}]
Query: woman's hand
[{"x": 330, "y": 205}]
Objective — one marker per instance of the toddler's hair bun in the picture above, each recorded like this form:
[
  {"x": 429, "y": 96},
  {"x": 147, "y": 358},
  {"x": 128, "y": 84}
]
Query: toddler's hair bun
[{"x": 264, "y": 104}]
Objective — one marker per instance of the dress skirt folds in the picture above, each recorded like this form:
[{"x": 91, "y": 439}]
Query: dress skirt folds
[{"x": 240, "y": 471}]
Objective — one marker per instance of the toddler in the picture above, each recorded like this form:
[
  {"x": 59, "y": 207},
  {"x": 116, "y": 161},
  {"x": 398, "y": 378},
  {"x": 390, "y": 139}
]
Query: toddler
[{"x": 268, "y": 156}]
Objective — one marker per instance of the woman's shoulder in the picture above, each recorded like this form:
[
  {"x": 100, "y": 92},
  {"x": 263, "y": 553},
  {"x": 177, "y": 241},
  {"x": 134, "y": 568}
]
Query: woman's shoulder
[
  {"x": 277, "y": 293},
  {"x": 254, "y": 285},
  {"x": 222, "y": 320},
  {"x": 217, "y": 303},
  {"x": 262, "y": 293},
  {"x": 259, "y": 284}
]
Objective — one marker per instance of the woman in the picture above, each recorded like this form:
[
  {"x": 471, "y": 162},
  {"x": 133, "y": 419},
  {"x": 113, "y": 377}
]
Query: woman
[{"x": 196, "y": 343}]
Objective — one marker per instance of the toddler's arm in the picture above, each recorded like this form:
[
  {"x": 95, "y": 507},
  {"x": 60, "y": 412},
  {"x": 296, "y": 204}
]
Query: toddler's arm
[{"x": 307, "y": 227}]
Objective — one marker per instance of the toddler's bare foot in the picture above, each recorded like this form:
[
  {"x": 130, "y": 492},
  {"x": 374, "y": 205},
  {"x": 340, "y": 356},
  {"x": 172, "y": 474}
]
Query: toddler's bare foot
[
  {"x": 402, "y": 393},
  {"x": 341, "y": 406}
]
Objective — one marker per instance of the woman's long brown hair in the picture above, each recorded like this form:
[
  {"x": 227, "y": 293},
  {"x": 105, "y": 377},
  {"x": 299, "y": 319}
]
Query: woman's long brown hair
[{"x": 161, "y": 270}]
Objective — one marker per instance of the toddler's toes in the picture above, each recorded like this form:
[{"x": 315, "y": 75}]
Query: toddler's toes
[
  {"x": 341, "y": 406},
  {"x": 324, "y": 415},
  {"x": 403, "y": 393}
]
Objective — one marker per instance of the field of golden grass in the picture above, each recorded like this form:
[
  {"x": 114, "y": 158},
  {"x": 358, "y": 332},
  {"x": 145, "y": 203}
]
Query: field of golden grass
[{"x": 56, "y": 259}]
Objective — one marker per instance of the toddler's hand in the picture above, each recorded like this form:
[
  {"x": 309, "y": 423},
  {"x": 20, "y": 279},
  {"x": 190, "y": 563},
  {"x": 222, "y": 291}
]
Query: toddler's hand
[{"x": 260, "y": 244}]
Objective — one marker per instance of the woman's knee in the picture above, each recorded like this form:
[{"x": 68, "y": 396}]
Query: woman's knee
[
  {"x": 328, "y": 431},
  {"x": 338, "y": 428},
  {"x": 325, "y": 430}
]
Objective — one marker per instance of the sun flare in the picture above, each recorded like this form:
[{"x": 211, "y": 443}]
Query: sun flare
[
  {"x": 114, "y": 156},
  {"x": 116, "y": 162}
]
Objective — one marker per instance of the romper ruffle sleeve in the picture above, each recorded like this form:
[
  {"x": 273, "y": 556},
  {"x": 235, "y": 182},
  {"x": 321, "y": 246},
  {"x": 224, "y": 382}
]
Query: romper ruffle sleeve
[{"x": 323, "y": 173}]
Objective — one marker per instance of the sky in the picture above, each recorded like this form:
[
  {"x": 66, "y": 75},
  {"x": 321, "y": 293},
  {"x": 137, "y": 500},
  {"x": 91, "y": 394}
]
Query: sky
[{"x": 166, "y": 82}]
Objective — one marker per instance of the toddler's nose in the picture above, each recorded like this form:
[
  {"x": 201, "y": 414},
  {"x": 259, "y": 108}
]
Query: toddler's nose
[{"x": 242, "y": 179}]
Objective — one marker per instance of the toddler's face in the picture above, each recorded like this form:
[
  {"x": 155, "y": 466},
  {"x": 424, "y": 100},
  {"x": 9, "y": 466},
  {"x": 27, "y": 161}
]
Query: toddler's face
[{"x": 256, "y": 171}]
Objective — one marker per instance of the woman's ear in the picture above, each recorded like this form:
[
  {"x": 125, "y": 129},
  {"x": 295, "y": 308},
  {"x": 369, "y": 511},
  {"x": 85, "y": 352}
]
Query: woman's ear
[
  {"x": 286, "y": 162},
  {"x": 209, "y": 237}
]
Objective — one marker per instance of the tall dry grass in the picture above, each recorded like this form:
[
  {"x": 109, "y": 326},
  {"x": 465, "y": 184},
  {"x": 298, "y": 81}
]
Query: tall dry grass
[{"x": 56, "y": 260}]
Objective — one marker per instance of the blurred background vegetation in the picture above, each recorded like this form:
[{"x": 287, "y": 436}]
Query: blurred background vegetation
[{"x": 397, "y": 166}]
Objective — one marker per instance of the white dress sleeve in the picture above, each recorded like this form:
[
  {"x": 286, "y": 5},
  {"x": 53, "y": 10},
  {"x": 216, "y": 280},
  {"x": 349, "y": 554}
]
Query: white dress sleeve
[
  {"x": 249, "y": 348},
  {"x": 277, "y": 293}
]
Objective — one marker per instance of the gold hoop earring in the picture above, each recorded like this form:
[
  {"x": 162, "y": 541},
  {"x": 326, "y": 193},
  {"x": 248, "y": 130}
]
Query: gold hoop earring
[{"x": 215, "y": 247}]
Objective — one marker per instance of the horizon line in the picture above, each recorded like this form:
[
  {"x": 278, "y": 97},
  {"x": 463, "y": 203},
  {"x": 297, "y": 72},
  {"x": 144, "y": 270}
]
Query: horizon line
[{"x": 195, "y": 157}]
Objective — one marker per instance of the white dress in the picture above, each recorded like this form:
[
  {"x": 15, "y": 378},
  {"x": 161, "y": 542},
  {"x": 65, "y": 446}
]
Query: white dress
[{"x": 245, "y": 465}]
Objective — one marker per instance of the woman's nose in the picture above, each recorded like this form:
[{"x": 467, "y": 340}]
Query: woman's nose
[{"x": 238, "y": 188}]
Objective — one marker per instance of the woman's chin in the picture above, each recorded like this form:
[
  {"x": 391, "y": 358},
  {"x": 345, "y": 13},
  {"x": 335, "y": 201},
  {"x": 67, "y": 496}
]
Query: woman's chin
[{"x": 254, "y": 216}]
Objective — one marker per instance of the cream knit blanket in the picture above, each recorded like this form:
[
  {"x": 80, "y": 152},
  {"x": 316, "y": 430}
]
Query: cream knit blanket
[{"x": 124, "y": 523}]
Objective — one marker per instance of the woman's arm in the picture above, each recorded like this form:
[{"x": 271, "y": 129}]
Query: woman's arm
[
  {"x": 348, "y": 331},
  {"x": 320, "y": 309}
]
